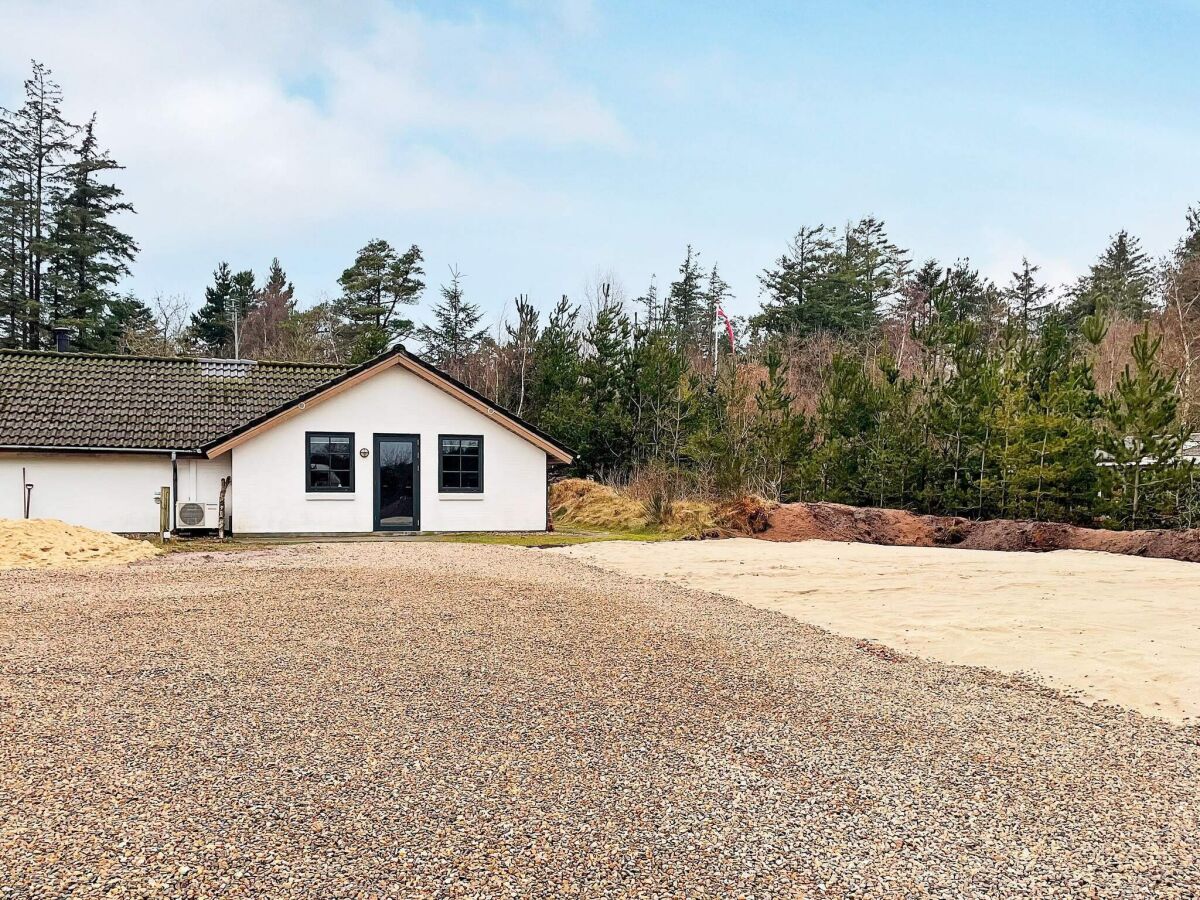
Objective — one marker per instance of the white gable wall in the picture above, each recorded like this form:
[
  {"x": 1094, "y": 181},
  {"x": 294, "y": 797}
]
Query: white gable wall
[
  {"x": 269, "y": 469},
  {"x": 105, "y": 491}
]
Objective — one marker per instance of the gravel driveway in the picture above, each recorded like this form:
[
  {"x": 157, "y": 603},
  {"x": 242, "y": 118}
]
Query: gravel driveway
[{"x": 454, "y": 720}]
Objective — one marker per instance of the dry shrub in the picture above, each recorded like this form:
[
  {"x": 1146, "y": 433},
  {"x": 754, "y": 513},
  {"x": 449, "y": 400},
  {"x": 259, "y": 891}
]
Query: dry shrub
[
  {"x": 745, "y": 515},
  {"x": 578, "y": 501},
  {"x": 581, "y": 502}
]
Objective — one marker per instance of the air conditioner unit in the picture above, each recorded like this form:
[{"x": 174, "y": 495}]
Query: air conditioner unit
[{"x": 191, "y": 515}]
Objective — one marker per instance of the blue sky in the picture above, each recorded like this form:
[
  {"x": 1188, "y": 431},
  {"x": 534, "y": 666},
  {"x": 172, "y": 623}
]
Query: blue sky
[{"x": 543, "y": 146}]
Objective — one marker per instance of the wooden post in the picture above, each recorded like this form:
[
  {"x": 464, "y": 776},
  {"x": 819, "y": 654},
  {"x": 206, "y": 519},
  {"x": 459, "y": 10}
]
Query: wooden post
[
  {"x": 164, "y": 513},
  {"x": 225, "y": 482}
]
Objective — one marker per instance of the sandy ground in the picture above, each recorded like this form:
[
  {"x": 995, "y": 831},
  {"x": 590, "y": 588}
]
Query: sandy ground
[
  {"x": 49, "y": 543},
  {"x": 1120, "y": 629},
  {"x": 442, "y": 720}
]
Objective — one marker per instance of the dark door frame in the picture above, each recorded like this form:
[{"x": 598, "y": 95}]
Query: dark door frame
[{"x": 416, "y": 442}]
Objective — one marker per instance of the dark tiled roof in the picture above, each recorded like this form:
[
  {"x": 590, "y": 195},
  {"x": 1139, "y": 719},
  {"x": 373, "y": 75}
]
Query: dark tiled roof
[{"x": 137, "y": 402}]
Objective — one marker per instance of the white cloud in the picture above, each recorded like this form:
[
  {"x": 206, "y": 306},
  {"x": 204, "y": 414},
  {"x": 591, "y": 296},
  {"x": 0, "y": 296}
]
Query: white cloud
[{"x": 265, "y": 116}]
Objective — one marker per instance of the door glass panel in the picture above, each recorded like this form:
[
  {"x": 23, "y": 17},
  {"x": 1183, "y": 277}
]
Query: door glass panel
[{"x": 396, "y": 484}]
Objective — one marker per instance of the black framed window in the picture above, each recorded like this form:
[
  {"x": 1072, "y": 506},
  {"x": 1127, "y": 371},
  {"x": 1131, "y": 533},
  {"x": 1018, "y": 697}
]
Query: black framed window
[
  {"x": 329, "y": 462},
  {"x": 460, "y": 463}
]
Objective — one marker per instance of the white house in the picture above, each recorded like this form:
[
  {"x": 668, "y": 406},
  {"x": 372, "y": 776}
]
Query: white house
[{"x": 391, "y": 445}]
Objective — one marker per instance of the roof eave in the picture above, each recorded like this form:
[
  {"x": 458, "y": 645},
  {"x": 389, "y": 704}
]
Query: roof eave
[{"x": 42, "y": 448}]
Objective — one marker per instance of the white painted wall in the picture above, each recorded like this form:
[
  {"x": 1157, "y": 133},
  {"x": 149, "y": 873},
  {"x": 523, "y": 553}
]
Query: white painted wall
[
  {"x": 269, "y": 470},
  {"x": 106, "y": 491}
]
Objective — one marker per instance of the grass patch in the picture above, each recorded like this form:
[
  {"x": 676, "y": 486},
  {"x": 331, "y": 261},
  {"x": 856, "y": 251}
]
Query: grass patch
[
  {"x": 552, "y": 538},
  {"x": 210, "y": 545}
]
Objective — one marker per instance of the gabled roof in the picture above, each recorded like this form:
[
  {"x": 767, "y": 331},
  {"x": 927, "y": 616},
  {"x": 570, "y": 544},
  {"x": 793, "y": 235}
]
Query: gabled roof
[
  {"x": 96, "y": 401},
  {"x": 400, "y": 358},
  {"x": 87, "y": 401}
]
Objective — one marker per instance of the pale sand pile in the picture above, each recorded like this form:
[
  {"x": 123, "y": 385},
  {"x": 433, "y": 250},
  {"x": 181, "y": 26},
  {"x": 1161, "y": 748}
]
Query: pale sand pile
[
  {"x": 42, "y": 543},
  {"x": 1114, "y": 628}
]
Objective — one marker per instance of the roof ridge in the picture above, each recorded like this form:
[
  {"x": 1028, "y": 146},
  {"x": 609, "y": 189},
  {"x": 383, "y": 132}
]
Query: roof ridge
[{"x": 54, "y": 354}]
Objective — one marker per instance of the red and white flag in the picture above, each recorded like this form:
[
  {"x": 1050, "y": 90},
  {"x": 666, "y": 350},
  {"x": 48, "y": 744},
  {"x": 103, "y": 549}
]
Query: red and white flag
[{"x": 724, "y": 317}]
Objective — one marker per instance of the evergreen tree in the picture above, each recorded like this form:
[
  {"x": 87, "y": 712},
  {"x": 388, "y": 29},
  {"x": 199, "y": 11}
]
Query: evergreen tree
[
  {"x": 455, "y": 334},
  {"x": 211, "y": 326},
  {"x": 872, "y": 271},
  {"x": 779, "y": 435},
  {"x": 266, "y": 324},
  {"x": 604, "y": 373},
  {"x": 1142, "y": 435},
  {"x": 827, "y": 282},
  {"x": 1028, "y": 299},
  {"x": 91, "y": 253},
  {"x": 523, "y": 338},
  {"x": 797, "y": 288},
  {"x": 1120, "y": 282},
  {"x": 662, "y": 397},
  {"x": 36, "y": 144},
  {"x": 684, "y": 308},
  {"x": 373, "y": 288},
  {"x": 123, "y": 314},
  {"x": 554, "y": 391},
  {"x": 650, "y": 302}
]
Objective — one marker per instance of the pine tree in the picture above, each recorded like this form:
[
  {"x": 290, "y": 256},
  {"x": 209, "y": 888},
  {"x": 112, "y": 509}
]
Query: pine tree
[
  {"x": 211, "y": 326},
  {"x": 265, "y": 328},
  {"x": 650, "y": 302},
  {"x": 777, "y": 429},
  {"x": 523, "y": 338},
  {"x": 798, "y": 287},
  {"x": 831, "y": 282},
  {"x": 555, "y": 402},
  {"x": 1142, "y": 434},
  {"x": 455, "y": 334},
  {"x": 123, "y": 314},
  {"x": 1121, "y": 281},
  {"x": 684, "y": 307},
  {"x": 604, "y": 374},
  {"x": 91, "y": 253},
  {"x": 872, "y": 271},
  {"x": 373, "y": 289},
  {"x": 36, "y": 144},
  {"x": 1028, "y": 299}
]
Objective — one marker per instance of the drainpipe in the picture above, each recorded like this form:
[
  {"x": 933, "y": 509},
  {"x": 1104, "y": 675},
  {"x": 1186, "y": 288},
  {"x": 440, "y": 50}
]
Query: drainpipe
[{"x": 174, "y": 489}]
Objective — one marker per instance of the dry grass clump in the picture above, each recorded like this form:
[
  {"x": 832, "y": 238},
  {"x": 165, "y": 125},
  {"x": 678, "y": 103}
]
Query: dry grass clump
[
  {"x": 578, "y": 501},
  {"x": 582, "y": 502},
  {"x": 42, "y": 543}
]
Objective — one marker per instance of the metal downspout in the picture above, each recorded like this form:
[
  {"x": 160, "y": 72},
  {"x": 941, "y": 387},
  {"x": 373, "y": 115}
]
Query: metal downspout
[{"x": 174, "y": 489}]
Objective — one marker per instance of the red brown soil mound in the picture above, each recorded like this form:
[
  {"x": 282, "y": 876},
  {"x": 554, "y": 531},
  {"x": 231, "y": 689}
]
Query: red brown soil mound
[{"x": 896, "y": 527}]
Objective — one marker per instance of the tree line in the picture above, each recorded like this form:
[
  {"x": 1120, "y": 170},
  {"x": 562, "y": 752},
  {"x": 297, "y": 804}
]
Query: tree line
[{"x": 864, "y": 377}]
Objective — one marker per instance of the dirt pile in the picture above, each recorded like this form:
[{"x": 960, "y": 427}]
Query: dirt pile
[
  {"x": 896, "y": 527},
  {"x": 43, "y": 543}
]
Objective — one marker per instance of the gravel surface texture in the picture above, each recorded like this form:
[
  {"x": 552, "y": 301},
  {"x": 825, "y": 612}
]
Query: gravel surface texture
[{"x": 471, "y": 721}]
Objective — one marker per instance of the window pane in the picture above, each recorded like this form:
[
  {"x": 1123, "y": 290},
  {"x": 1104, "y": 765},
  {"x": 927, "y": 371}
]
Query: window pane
[
  {"x": 469, "y": 448},
  {"x": 470, "y": 480},
  {"x": 330, "y": 462},
  {"x": 451, "y": 464}
]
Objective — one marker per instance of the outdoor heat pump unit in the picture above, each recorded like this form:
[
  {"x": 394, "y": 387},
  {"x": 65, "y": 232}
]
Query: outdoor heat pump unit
[{"x": 197, "y": 516}]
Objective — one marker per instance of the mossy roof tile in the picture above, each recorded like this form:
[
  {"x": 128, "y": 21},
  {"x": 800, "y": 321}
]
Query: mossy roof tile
[{"x": 81, "y": 400}]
